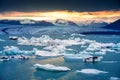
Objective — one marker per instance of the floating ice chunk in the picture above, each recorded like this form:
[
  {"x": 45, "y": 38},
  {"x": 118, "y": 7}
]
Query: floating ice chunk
[
  {"x": 97, "y": 46},
  {"x": 16, "y": 37},
  {"x": 1, "y": 60},
  {"x": 4, "y": 58},
  {"x": 86, "y": 52},
  {"x": 70, "y": 42},
  {"x": 88, "y": 41},
  {"x": 50, "y": 67},
  {"x": 100, "y": 53},
  {"x": 91, "y": 71},
  {"x": 45, "y": 53},
  {"x": 74, "y": 34},
  {"x": 76, "y": 56},
  {"x": 26, "y": 21},
  {"x": 46, "y": 40},
  {"x": 56, "y": 48},
  {"x": 114, "y": 78},
  {"x": 13, "y": 37},
  {"x": 116, "y": 47},
  {"x": 2, "y": 40},
  {"x": 12, "y": 50},
  {"x": 109, "y": 61},
  {"x": 101, "y": 48},
  {"x": 73, "y": 57}
]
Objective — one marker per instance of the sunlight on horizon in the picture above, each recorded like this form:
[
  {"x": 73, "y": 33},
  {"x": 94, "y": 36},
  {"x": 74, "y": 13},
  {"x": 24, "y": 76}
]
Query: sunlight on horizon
[{"x": 75, "y": 16}]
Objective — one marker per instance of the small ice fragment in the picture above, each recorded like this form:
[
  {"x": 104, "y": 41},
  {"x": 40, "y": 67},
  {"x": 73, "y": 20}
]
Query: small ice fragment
[
  {"x": 91, "y": 71},
  {"x": 114, "y": 78}
]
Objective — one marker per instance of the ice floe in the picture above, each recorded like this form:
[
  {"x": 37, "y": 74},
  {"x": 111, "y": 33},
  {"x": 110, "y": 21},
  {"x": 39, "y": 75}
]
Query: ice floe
[
  {"x": 56, "y": 48},
  {"x": 99, "y": 46},
  {"x": 90, "y": 71},
  {"x": 74, "y": 34},
  {"x": 53, "y": 47},
  {"x": 2, "y": 40},
  {"x": 16, "y": 37},
  {"x": 46, "y": 40},
  {"x": 13, "y": 37},
  {"x": 45, "y": 53},
  {"x": 76, "y": 56},
  {"x": 4, "y": 58},
  {"x": 109, "y": 61},
  {"x": 50, "y": 67},
  {"x": 12, "y": 50},
  {"x": 102, "y": 48},
  {"x": 7, "y": 58},
  {"x": 114, "y": 78}
]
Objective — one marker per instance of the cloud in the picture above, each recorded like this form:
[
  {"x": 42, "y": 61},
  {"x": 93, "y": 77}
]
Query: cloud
[
  {"x": 61, "y": 14},
  {"x": 53, "y": 5}
]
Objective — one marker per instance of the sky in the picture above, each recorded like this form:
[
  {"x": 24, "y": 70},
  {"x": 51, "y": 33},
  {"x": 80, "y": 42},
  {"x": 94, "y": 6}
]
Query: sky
[{"x": 53, "y": 9}]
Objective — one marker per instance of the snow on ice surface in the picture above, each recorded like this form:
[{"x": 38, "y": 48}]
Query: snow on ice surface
[
  {"x": 91, "y": 71},
  {"x": 114, "y": 78},
  {"x": 45, "y": 53},
  {"x": 54, "y": 45},
  {"x": 103, "y": 48},
  {"x": 59, "y": 45},
  {"x": 50, "y": 67},
  {"x": 46, "y": 40},
  {"x": 12, "y": 50},
  {"x": 76, "y": 56},
  {"x": 74, "y": 34},
  {"x": 26, "y": 21}
]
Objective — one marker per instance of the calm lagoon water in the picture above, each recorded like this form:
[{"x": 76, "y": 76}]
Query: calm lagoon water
[{"x": 24, "y": 70}]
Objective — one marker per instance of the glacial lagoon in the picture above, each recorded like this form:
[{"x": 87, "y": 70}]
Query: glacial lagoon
[{"x": 105, "y": 46}]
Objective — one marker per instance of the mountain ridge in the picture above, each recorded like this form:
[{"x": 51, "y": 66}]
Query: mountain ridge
[{"x": 113, "y": 26}]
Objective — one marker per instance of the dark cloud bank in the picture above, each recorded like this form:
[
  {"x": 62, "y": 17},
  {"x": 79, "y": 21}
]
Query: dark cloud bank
[{"x": 51, "y": 5}]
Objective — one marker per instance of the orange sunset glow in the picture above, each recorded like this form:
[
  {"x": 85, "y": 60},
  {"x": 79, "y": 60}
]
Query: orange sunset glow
[{"x": 60, "y": 14}]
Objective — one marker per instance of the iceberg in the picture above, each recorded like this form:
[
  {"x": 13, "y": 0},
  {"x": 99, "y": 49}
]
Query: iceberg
[
  {"x": 45, "y": 53},
  {"x": 46, "y": 40},
  {"x": 99, "y": 46},
  {"x": 12, "y": 50},
  {"x": 90, "y": 71},
  {"x": 56, "y": 48},
  {"x": 60, "y": 45},
  {"x": 103, "y": 48},
  {"x": 74, "y": 34},
  {"x": 50, "y": 67}
]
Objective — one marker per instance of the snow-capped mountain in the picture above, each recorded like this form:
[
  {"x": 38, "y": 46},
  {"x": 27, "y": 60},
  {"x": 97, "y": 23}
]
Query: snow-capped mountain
[
  {"x": 26, "y": 22},
  {"x": 57, "y": 27},
  {"x": 86, "y": 23},
  {"x": 92, "y": 23},
  {"x": 62, "y": 22},
  {"x": 58, "y": 22}
]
